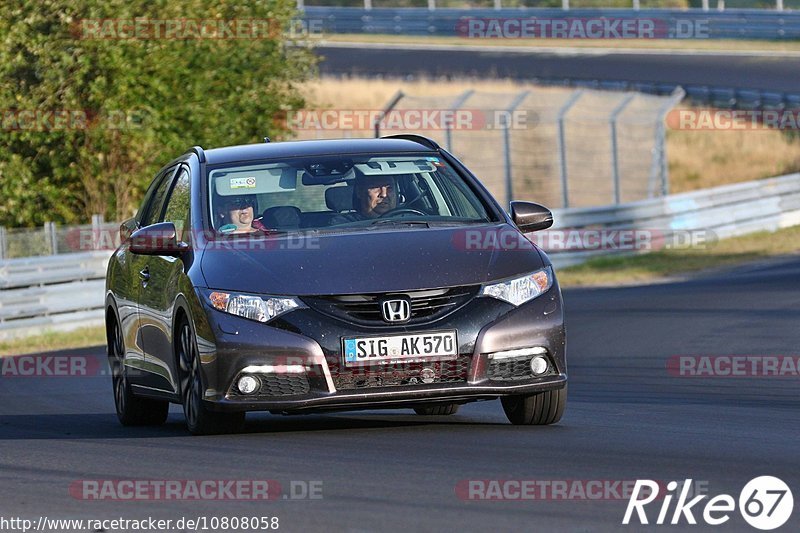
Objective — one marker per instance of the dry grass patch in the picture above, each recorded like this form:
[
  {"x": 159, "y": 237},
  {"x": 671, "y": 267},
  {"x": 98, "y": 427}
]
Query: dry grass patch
[{"x": 697, "y": 159}]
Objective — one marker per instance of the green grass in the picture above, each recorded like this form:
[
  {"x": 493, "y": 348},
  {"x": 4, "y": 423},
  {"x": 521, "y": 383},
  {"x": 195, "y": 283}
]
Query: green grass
[
  {"x": 649, "y": 267},
  {"x": 54, "y": 340}
]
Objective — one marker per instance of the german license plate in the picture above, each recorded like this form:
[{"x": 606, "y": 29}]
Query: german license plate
[{"x": 410, "y": 348}]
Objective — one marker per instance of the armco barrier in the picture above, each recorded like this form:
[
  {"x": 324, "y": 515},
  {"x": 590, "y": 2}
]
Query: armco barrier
[
  {"x": 57, "y": 292},
  {"x": 725, "y": 211},
  {"x": 66, "y": 291},
  {"x": 728, "y": 24}
]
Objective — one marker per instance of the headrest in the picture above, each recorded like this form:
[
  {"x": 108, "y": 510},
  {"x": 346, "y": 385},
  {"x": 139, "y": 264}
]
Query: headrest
[
  {"x": 282, "y": 216},
  {"x": 339, "y": 199}
]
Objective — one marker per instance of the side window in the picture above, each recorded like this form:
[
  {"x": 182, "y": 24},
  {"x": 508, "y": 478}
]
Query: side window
[
  {"x": 178, "y": 204},
  {"x": 155, "y": 206}
]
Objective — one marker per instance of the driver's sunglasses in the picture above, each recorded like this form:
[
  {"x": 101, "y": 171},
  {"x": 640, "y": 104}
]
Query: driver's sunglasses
[{"x": 239, "y": 203}]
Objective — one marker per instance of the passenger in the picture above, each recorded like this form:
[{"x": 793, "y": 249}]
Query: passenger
[{"x": 238, "y": 214}]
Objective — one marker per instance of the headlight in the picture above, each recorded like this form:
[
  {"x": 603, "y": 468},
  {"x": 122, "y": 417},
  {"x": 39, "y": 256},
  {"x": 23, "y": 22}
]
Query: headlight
[
  {"x": 252, "y": 307},
  {"x": 523, "y": 289}
]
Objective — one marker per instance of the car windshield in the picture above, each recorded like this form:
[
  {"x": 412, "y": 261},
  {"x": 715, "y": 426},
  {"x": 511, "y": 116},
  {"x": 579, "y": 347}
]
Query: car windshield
[{"x": 338, "y": 192}]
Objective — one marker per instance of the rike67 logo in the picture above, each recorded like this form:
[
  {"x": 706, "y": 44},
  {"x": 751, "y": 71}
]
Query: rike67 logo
[{"x": 765, "y": 503}]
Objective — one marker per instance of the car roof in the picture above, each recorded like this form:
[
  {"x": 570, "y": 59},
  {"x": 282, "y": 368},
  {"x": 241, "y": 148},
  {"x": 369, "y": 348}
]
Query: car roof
[{"x": 249, "y": 152}]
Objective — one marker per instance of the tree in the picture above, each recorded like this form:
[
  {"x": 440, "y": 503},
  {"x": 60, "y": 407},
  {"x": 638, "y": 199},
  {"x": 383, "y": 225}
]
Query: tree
[{"x": 94, "y": 98}]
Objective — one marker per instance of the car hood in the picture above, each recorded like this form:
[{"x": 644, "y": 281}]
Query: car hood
[{"x": 383, "y": 260}]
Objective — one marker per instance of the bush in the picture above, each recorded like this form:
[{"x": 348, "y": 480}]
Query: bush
[{"x": 114, "y": 110}]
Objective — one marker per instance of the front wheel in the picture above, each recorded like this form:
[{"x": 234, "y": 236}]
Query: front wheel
[
  {"x": 131, "y": 410},
  {"x": 199, "y": 420},
  {"x": 539, "y": 409}
]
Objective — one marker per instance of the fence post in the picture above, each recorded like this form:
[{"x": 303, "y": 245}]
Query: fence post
[
  {"x": 562, "y": 150},
  {"x": 659, "y": 165},
  {"x": 612, "y": 120},
  {"x": 50, "y": 237},
  {"x": 393, "y": 102},
  {"x": 507, "y": 142},
  {"x": 705, "y": 5},
  {"x": 779, "y": 5},
  {"x": 367, "y": 4},
  {"x": 300, "y": 5},
  {"x": 97, "y": 228},
  {"x": 431, "y": 5},
  {"x": 720, "y": 5},
  {"x": 448, "y": 135},
  {"x": 636, "y": 5},
  {"x": 3, "y": 245},
  {"x": 498, "y": 4},
  {"x": 565, "y": 5}
]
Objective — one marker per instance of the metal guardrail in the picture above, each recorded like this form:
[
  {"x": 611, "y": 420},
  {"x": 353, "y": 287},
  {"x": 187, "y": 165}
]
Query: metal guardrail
[
  {"x": 717, "y": 213},
  {"x": 55, "y": 292},
  {"x": 432, "y": 5},
  {"x": 729, "y": 24},
  {"x": 66, "y": 291}
]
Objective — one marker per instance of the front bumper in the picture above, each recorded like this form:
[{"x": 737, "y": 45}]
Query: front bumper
[{"x": 230, "y": 344}]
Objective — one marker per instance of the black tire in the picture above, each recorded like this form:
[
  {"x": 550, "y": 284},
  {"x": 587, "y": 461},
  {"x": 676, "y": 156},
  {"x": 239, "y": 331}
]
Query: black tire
[
  {"x": 199, "y": 420},
  {"x": 131, "y": 410},
  {"x": 538, "y": 409},
  {"x": 438, "y": 410}
]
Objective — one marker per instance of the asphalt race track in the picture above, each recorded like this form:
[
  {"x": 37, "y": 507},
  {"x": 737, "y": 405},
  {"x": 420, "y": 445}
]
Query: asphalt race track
[
  {"x": 627, "y": 418},
  {"x": 767, "y": 73}
]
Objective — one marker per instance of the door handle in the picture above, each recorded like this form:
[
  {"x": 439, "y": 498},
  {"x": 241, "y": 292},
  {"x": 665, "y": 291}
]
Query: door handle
[{"x": 144, "y": 274}]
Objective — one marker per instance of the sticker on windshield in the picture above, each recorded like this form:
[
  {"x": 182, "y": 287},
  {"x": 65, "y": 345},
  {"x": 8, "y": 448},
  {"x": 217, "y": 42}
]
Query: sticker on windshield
[{"x": 243, "y": 183}]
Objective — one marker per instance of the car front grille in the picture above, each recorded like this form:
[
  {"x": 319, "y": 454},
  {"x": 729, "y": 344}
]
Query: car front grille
[
  {"x": 273, "y": 385},
  {"x": 365, "y": 309},
  {"x": 400, "y": 374},
  {"x": 511, "y": 369}
]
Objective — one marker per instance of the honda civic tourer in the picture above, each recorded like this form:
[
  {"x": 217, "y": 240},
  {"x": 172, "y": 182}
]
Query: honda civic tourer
[{"x": 308, "y": 276}]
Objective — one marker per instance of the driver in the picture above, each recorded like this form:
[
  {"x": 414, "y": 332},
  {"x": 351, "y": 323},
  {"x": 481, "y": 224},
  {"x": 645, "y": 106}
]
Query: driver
[{"x": 375, "y": 196}]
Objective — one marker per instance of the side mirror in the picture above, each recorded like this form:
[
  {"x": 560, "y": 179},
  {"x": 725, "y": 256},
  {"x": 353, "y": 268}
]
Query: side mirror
[
  {"x": 126, "y": 228},
  {"x": 530, "y": 217},
  {"x": 157, "y": 239}
]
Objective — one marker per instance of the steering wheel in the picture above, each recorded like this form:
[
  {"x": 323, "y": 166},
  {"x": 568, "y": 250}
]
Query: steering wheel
[{"x": 402, "y": 211}]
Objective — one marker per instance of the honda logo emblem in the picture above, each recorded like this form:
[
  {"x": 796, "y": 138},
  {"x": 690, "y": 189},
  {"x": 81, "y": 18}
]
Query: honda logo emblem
[{"x": 396, "y": 310}]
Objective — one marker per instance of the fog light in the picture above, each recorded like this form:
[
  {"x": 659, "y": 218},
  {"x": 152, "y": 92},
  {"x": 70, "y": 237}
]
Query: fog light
[
  {"x": 539, "y": 365},
  {"x": 247, "y": 384}
]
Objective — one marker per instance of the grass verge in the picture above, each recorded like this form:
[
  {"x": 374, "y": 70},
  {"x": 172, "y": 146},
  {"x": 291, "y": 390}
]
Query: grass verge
[
  {"x": 649, "y": 267},
  {"x": 54, "y": 340},
  {"x": 622, "y": 44}
]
